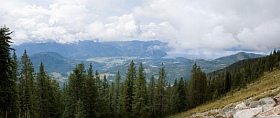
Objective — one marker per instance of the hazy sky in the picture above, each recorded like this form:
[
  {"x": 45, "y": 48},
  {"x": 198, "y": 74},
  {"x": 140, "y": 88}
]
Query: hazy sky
[{"x": 204, "y": 28}]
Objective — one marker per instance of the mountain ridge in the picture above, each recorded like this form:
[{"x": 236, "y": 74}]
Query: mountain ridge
[
  {"x": 89, "y": 49},
  {"x": 175, "y": 67}
]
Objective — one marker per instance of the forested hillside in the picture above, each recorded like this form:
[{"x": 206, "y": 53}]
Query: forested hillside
[{"x": 28, "y": 94}]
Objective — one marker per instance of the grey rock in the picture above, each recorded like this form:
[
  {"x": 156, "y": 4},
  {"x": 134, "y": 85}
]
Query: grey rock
[
  {"x": 254, "y": 104},
  {"x": 268, "y": 100},
  {"x": 227, "y": 108},
  {"x": 266, "y": 103},
  {"x": 274, "y": 116},
  {"x": 241, "y": 106},
  {"x": 248, "y": 113}
]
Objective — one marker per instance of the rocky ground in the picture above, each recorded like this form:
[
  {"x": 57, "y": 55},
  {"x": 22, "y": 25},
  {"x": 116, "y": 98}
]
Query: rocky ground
[{"x": 267, "y": 107}]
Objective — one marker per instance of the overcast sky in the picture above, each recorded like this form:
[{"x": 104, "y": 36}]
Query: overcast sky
[{"x": 199, "y": 28}]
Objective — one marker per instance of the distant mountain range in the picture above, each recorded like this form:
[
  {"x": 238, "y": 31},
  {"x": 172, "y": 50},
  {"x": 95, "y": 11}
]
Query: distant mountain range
[
  {"x": 90, "y": 49},
  {"x": 110, "y": 57},
  {"x": 59, "y": 67}
]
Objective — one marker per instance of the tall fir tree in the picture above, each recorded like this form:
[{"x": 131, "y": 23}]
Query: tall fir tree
[
  {"x": 140, "y": 94},
  {"x": 90, "y": 93},
  {"x": 160, "y": 93},
  {"x": 151, "y": 97},
  {"x": 175, "y": 97},
  {"x": 98, "y": 104},
  {"x": 117, "y": 97},
  {"x": 105, "y": 103},
  {"x": 27, "y": 88},
  {"x": 228, "y": 82},
  {"x": 128, "y": 89},
  {"x": 42, "y": 94},
  {"x": 198, "y": 85},
  {"x": 56, "y": 107},
  {"x": 181, "y": 95},
  {"x": 8, "y": 89},
  {"x": 47, "y": 95},
  {"x": 80, "y": 111},
  {"x": 112, "y": 100},
  {"x": 169, "y": 100},
  {"x": 75, "y": 90}
]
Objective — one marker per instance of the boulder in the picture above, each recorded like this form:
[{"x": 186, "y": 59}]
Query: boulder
[
  {"x": 241, "y": 106},
  {"x": 227, "y": 108},
  {"x": 247, "y": 113},
  {"x": 274, "y": 116},
  {"x": 266, "y": 103},
  {"x": 267, "y": 100},
  {"x": 254, "y": 104},
  {"x": 272, "y": 112}
]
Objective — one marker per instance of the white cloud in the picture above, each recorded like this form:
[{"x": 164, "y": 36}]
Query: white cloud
[
  {"x": 219, "y": 39},
  {"x": 185, "y": 24},
  {"x": 264, "y": 37}
]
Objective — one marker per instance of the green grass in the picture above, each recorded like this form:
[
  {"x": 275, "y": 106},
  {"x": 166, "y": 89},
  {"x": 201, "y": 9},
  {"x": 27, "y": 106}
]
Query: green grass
[{"x": 267, "y": 82}]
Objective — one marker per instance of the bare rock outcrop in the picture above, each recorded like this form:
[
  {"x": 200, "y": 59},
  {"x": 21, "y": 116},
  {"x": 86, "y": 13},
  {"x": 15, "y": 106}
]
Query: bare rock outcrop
[{"x": 268, "y": 107}]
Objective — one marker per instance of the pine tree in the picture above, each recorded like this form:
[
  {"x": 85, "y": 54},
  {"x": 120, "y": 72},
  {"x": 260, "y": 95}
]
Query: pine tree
[
  {"x": 105, "y": 98},
  {"x": 228, "y": 82},
  {"x": 79, "y": 110},
  {"x": 197, "y": 86},
  {"x": 128, "y": 89},
  {"x": 112, "y": 101},
  {"x": 181, "y": 95},
  {"x": 8, "y": 94},
  {"x": 175, "y": 97},
  {"x": 47, "y": 95},
  {"x": 169, "y": 100},
  {"x": 160, "y": 93},
  {"x": 75, "y": 90},
  {"x": 140, "y": 94},
  {"x": 90, "y": 93},
  {"x": 14, "y": 87},
  {"x": 27, "y": 88},
  {"x": 43, "y": 96},
  {"x": 117, "y": 97},
  {"x": 99, "y": 100},
  {"x": 56, "y": 106},
  {"x": 151, "y": 97}
]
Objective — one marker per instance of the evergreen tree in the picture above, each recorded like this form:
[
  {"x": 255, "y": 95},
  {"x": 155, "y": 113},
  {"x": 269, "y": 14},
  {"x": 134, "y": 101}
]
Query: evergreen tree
[
  {"x": 79, "y": 110},
  {"x": 117, "y": 106},
  {"x": 90, "y": 93},
  {"x": 14, "y": 87},
  {"x": 140, "y": 94},
  {"x": 197, "y": 86},
  {"x": 169, "y": 100},
  {"x": 99, "y": 100},
  {"x": 8, "y": 89},
  {"x": 56, "y": 107},
  {"x": 43, "y": 96},
  {"x": 160, "y": 93},
  {"x": 27, "y": 88},
  {"x": 151, "y": 97},
  {"x": 75, "y": 90},
  {"x": 47, "y": 95},
  {"x": 228, "y": 82},
  {"x": 181, "y": 95},
  {"x": 128, "y": 89},
  {"x": 175, "y": 97},
  {"x": 105, "y": 103},
  {"x": 112, "y": 101}
]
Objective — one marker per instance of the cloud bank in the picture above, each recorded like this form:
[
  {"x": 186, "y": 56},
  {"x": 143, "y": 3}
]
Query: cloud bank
[{"x": 195, "y": 27}]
